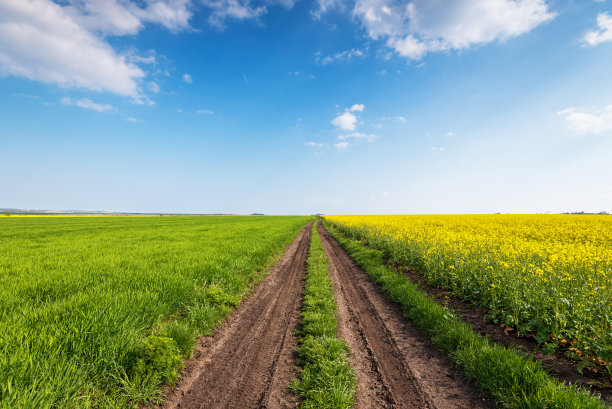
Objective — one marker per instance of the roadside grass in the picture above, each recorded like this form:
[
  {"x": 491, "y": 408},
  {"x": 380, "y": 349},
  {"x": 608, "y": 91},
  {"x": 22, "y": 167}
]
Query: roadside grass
[
  {"x": 326, "y": 380},
  {"x": 99, "y": 312},
  {"x": 509, "y": 377}
]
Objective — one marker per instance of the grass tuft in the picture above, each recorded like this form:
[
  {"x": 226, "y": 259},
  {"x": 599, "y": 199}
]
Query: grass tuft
[{"x": 326, "y": 380}]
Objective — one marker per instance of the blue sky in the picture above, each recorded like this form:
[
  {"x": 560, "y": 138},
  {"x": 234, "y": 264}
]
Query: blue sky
[{"x": 297, "y": 107}]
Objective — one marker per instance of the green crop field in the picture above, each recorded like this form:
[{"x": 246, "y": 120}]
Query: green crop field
[{"x": 100, "y": 311}]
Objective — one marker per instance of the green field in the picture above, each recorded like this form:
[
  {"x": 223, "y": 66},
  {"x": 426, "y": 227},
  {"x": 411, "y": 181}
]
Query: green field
[{"x": 99, "y": 311}]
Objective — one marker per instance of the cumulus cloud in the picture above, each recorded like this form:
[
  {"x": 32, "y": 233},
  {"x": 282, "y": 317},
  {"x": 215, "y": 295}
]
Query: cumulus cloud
[
  {"x": 87, "y": 103},
  {"x": 602, "y": 34},
  {"x": 341, "y": 145},
  {"x": 41, "y": 41},
  {"x": 583, "y": 122},
  {"x": 357, "y": 108},
  {"x": 414, "y": 28},
  {"x": 64, "y": 43},
  {"x": 346, "y": 121}
]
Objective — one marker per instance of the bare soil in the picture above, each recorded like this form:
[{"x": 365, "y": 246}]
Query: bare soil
[
  {"x": 396, "y": 365},
  {"x": 250, "y": 360}
]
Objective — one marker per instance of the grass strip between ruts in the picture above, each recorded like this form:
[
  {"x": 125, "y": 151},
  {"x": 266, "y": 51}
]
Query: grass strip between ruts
[
  {"x": 326, "y": 380},
  {"x": 509, "y": 377}
]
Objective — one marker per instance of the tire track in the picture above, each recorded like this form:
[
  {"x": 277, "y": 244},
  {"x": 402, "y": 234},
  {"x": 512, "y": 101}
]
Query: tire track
[
  {"x": 249, "y": 362},
  {"x": 396, "y": 365}
]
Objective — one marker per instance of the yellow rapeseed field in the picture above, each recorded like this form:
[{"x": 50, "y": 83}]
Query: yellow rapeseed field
[{"x": 546, "y": 275}]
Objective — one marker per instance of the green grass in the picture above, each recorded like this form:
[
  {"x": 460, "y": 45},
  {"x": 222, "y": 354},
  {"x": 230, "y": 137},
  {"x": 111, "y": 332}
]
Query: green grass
[
  {"x": 100, "y": 311},
  {"x": 510, "y": 378},
  {"x": 326, "y": 380}
]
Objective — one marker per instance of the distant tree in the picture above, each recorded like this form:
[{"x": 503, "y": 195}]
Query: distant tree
[{"x": 7, "y": 213}]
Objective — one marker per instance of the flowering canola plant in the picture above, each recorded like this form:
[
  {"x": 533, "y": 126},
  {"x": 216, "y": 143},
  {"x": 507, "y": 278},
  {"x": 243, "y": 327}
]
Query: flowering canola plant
[{"x": 544, "y": 275}]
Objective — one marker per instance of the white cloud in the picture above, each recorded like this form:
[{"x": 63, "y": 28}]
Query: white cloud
[
  {"x": 602, "y": 34},
  {"x": 435, "y": 148},
  {"x": 418, "y": 27},
  {"x": 122, "y": 17},
  {"x": 449, "y": 133},
  {"x": 205, "y": 112},
  {"x": 357, "y": 108},
  {"x": 154, "y": 87},
  {"x": 341, "y": 145},
  {"x": 87, "y": 103},
  {"x": 359, "y": 135},
  {"x": 346, "y": 55},
  {"x": 314, "y": 144},
  {"x": 42, "y": 41},
  {"x": 21, "y": 94},
  {"x": 134, "y": 120},
  {"x": 221, "y": 10},
  {"x": 582, "y": 122},
  {"x": 187, "y": 78},
  {"x": 400, "y": 119},
  {"x": 346, "y": 121},
  {"x": 172, "y": 14},
  {"x": 326, "y": 5}
]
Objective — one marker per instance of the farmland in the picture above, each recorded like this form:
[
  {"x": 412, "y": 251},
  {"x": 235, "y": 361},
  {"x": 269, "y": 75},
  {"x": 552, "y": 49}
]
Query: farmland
[
  {"x": 546, "y": 276},
  {"x": 99, "y": 311}
]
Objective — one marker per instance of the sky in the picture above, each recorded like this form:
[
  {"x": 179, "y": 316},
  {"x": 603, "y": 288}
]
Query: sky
[{"x": 301, "y": 106}]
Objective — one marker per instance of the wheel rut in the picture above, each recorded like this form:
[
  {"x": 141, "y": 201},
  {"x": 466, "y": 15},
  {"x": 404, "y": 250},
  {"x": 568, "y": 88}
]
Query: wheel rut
[
  {"x": 249, "y": 362},
  {"x": 396, "y": 365}
]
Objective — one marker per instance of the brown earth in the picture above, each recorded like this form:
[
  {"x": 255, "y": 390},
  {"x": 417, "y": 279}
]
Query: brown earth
[
  {"x": 396, "y": 365},
  {"x": 249, "y": 361},
  {"x": 556, "y": 364}
]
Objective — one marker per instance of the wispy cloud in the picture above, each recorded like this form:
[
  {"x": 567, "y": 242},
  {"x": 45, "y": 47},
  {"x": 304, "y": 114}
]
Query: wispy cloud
[
  {"x": 357, "y": 108},
  {"x": 313, "y": 144},
  {"x": 400, "y": 119},
  {"x": 222, "y": 10},
  {"x": 187, "y": 78},
  {"x": 87, "y": 103},
  {"x": 603, "y": 33},
  {"x": 341, "y": 145},
  {"x": 134, "y": 120},
  {"x": 358, "y": 135},
  {"x": 205, "y": 112},
  {"x": 346, "y": 55},
  {"x": 22, "y": 95},
  {"x": 584, "y": 122}
]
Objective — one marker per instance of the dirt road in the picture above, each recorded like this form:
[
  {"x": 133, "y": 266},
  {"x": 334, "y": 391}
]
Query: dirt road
[
  {"x": 396, "y": 365},
  {"x": 249, "y": 362}
]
